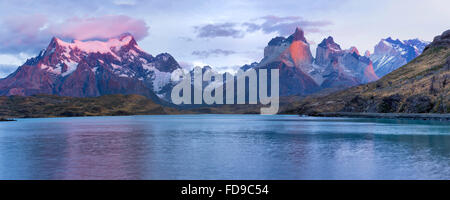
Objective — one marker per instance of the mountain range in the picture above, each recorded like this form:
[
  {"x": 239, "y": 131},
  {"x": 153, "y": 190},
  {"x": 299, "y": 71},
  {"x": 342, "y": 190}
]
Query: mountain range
[
  {"x": 333, "y": 67},
  {"x": 420, "y": 86},
  {"x": 120, "y": 66},
  {"x": 92, "y": 68}
]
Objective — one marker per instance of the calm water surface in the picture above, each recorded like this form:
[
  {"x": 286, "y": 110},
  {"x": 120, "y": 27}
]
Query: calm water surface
[{"x": 223, "y": 147}]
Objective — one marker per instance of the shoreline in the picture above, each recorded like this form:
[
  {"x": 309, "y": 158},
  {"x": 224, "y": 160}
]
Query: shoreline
[
  {"x": 7, "y": 119},
  {"x": 416, "y": 116},
  {"x": 411, "y": 116}
]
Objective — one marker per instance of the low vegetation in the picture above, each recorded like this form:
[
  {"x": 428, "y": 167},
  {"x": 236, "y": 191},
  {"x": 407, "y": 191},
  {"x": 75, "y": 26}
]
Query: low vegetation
[{"x": 57, "y": 106}]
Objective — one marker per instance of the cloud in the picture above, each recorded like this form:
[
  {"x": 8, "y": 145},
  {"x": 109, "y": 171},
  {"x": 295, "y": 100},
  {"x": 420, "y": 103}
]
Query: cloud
[
  {"x": 285, "y": 25},
  {"x": 212, "y": 52},
  {"x": 231, "y": 69},
  {"x": 219, "y": 30},
  {"x": 20, "y": 33},
  {"x": 125, "y": 2},
  {"x": 5, "y": 70},
  {"x": 186, "y": 65},
  {"x": 186, "y": 39},
  {"x": 100, "y": 27},
  {"x": 267, "y": 24},
  {"x": 32, "y": 33}
]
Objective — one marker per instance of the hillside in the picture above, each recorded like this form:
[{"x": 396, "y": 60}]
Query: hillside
[
  {"x": 57, "y": 106},
  {"x": 421, "y": 86}
]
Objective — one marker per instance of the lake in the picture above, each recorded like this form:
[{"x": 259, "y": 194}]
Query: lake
[{"x": 224, "y": 147}]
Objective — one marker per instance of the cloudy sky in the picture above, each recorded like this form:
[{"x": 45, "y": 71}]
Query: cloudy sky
[{"x": 223, "y": 34}]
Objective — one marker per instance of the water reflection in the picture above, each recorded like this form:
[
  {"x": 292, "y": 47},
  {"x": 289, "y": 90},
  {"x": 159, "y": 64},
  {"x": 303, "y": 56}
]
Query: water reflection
[{"x": 224, "y": 147}]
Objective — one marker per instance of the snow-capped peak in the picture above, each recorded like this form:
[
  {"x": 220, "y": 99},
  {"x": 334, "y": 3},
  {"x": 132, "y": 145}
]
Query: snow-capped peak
[
  {"x": 390, "y": 54},
  {"x": 96, "y": 46}
]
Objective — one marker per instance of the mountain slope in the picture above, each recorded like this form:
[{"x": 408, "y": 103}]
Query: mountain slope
[
  {"x": 421, "y": 86},
  {"x": 92, "y": 68},
  {"x": 292, "y": 56}
]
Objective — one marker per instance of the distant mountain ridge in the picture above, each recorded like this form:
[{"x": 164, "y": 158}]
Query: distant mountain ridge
[
  {"x": 302, "y": 74},
  {"x": 292, "y": 56},
  {"x": 390, "y": 54},
  {"x": 342, "y": 68},
  {"x": 421, "y": 86},
  {"x": 120, "y": 66}
]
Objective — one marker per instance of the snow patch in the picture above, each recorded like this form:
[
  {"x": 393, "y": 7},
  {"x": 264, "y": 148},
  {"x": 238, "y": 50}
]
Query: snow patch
[
  {"x": 71, "y": 67},
  {"x": 53, "y": 70},
  {"x": 96, "y": 46},
  {"x": 160, "y": 79},
  {"x": 114, "y": 66},
  {"x": 143, "y": 60},
  {"x": 108, "y": 47},
  {"x": 149, "y": 66},
  {"x": 134, "y": 52}
]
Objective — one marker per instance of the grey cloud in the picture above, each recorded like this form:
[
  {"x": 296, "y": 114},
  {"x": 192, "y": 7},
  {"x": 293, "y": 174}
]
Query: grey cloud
[
  {"x": 285, "y": 25},
  {"x": 124, "y": 2},
  {"x": 213, "y": 52},
  {"x": 251, "y": 27},
  {"x": 219, "y": 30},
  {"x": 267, "y": 24},
  {"x": 227, "y": 68},
  {"x": 5, "y": 70},
  {"x": 187, "y": 39},
  {"x": 186, "y": 65},
  {"x": 23, "y": 34}
]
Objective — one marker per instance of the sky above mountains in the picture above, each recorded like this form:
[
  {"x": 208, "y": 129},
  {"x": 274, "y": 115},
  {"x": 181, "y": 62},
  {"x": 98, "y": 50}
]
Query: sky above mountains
[{"x": 223, "y": 34}]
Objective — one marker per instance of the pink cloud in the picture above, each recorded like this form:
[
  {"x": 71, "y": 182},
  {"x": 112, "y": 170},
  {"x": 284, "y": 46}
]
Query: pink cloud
[
  {"x": 100, "y": 27},
  {"x": 28, "y": 25},
  {"x": 31, "y": 33},
  {"x": 21, "y": 32}
]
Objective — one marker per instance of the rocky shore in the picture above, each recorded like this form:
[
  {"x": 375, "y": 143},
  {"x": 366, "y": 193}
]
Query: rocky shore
[
  {"x": 417, "y": 116},
  {"x": 7, "y": 120}
]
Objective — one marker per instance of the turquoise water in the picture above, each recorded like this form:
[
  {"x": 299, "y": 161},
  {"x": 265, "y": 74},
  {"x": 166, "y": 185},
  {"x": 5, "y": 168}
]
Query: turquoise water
[{"x": 223, "y": 147}]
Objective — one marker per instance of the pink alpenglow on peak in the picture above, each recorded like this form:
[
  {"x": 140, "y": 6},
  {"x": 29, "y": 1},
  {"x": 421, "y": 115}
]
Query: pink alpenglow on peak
[
  {"x": 98, "y": 46},
  {"x": 369, "y": 74},
  {"x": 354, "y": 50},
  {"x": 299, "y": 35},
  {"x": 93, "y": 68}
]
